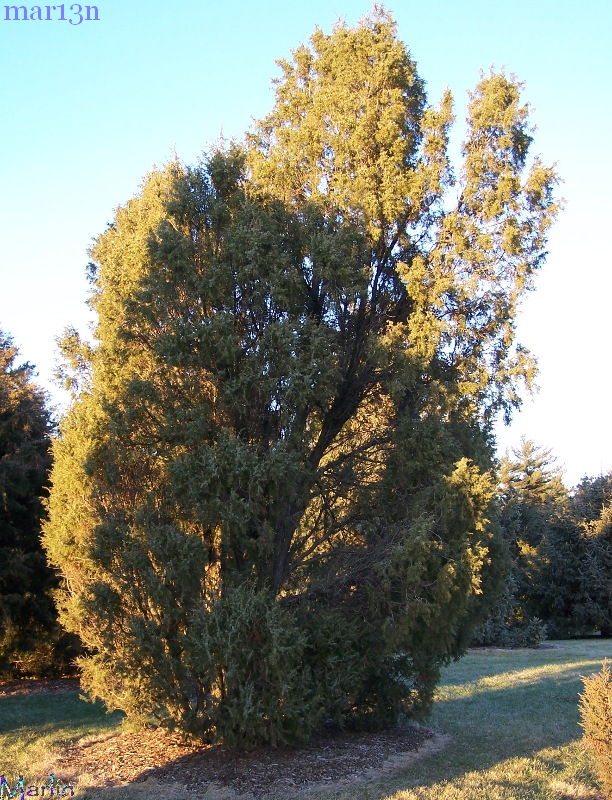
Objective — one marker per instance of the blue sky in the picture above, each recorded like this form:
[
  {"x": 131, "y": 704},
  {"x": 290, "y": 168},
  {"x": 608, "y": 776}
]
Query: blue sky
[{"x": 88, "y": 109}]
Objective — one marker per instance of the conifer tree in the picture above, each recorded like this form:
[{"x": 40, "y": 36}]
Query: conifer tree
[
  {"x": 531, "y": 495},
  {"x": 592, "y": 506},
  {"x": 562, "y": 555},
  {"x": 27, "y": 614},
  {"x": 591, "y": 496},
  {"x": 599, "y": 572},
  {"x": 271, "y": 499},
  {"x": 572, "y": 583}
]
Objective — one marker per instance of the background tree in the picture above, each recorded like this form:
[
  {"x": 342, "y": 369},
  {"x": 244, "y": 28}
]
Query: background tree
[
  {"x": 559, "y": 544},
  {"x": 271, "y": 499},
  {"x": 599, "y": 568},
  {"x": 27, "y": 613},
  {"x": 572, "y": 585},
  {"x": 591, "y": 496},
  {"x": 532, "y": 491},
  {"x": 592, "y": 506},
  {"x": 531, "y": 496}
]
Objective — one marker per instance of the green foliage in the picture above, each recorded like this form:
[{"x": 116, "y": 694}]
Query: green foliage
[
  {"x": 273, "y": 484},
  {"x": 28, "y": 632},
  {"x": 507, "y": 626},
  {"x": 597, "y": 575},
  {"x": 596, "y": 713},
  {"x": 531, "y": 495},
  {"x": 591, "y": 496},
  {"x": 532, "y": 492},
  {"x": 571, "y": 579},
  {"x": 558, "y": 590},
  {"x": 561, "y": 551}
]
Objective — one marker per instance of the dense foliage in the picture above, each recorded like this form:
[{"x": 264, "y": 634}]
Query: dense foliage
[
  {"x": 271, "y": 499},
  {"x": 27, "y": 613},
  {"x": 531, "y": 493},
  {"x": 572, "y": 583},
  {"x": 560, "y": 545}
]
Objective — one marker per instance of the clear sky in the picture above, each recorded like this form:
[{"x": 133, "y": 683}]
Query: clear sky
[{"x": 87, "y": 110}]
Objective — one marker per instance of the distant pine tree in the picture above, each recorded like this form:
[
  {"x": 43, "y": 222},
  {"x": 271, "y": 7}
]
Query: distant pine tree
[{"x": 597, "y": 577}]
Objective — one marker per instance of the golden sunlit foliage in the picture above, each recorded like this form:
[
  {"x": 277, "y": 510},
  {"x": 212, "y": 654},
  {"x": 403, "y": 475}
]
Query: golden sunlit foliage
[{"x": 273, "y": 484}]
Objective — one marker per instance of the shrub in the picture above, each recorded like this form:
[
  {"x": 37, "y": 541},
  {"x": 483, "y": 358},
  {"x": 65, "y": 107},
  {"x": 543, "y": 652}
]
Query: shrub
[{"x": 596, "y": 712}]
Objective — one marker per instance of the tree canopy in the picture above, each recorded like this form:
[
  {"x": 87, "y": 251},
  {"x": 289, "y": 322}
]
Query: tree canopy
[{"x": 271, "y": 499}]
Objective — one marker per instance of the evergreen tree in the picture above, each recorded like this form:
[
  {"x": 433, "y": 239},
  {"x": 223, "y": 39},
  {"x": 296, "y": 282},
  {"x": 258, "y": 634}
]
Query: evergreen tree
[
  {"x": 599, "y": 568},
  {"x": 591, "y": 496},
  {"x": 574, "y": 583},
  {"x": 531, "y": 495},
  {"x": 567, "y": 572},
  {"x": 592, "y": 507},
  {"x": 27, "y": 614},
  {"x": 561, "y": 575},
  {"x": 556, "y": 580},
  {"x": 271, "y": 499}
]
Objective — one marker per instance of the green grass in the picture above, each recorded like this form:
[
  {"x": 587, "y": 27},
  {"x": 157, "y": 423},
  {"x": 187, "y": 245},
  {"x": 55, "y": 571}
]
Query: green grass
[
  {"x": 33, "y": 727},
  {"x": 512, "y": 716}
]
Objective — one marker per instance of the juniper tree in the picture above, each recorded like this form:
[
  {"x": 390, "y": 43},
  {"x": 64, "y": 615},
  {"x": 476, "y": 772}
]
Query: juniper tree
[{"x": 271, "y": 499}]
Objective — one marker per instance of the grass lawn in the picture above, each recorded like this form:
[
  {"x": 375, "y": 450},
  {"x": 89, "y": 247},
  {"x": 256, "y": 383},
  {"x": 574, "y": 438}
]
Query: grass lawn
[{"x": 512, "y": 716}]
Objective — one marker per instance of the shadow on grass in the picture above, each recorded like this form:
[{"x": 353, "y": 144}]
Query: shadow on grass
[
  {"x": 50, "y": 711},
  {"x": 470, "y": 750},
  {"x": 530, "y": 676}
]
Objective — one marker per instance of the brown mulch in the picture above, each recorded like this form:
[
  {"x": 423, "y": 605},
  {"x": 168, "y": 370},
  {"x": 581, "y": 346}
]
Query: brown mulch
[
  {"x": 328, "y": 759},
  {"x": 34, "y": 686}
]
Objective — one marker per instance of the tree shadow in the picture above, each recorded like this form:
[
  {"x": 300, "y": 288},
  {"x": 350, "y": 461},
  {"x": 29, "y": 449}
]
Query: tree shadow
[{"x": 53, "y": 711}]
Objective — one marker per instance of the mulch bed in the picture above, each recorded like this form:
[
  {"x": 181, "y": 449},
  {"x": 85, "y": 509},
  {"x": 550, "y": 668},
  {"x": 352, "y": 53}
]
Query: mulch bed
[{"x": 165, "y": 758}]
